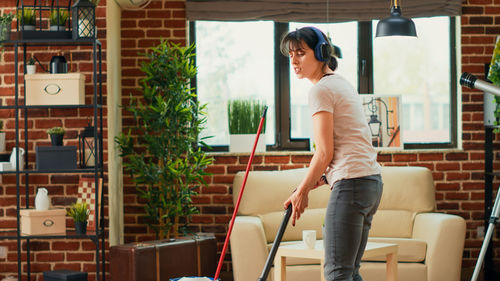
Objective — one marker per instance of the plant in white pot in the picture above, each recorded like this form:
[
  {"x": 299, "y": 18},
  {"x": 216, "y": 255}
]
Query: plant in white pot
[
  {"x": 27, "y": 18},
  {"x": 2, "y": 137},
  {"x": 58, "y": 19},
  {"x": 244, "y": 118},
  {"x": 31, "y": 67}
]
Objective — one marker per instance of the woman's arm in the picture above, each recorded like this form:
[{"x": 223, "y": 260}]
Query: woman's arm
[{"x": 323, "y": 137}]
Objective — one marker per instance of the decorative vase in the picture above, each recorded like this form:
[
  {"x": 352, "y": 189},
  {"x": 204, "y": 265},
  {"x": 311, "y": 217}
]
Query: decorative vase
[
  {"x": 42, "y": 202},
  {"x": 81, "y": 227},
  {"x": 57, "y": 28},
  {"x": 244, "y": 143},
  {"x": 56, "y": 140},
  {"x": 4, "y": 32},
  {"x": 30, "y": 69},
  {"x": 28, "y": 27}
]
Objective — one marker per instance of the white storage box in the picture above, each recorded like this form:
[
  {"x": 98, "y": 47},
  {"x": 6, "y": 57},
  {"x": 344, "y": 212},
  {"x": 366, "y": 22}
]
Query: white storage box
[
  {"x": 49, "y": 222},
  {"x": 55, "y": 89}
]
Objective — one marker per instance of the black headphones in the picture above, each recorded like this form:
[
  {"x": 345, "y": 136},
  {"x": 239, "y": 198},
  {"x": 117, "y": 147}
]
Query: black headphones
[{"x": 321, "y": 50}]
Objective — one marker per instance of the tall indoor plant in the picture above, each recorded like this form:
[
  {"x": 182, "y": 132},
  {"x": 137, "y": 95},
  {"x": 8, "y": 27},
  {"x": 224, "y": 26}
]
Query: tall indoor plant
[{"x": 160, "y": 150}]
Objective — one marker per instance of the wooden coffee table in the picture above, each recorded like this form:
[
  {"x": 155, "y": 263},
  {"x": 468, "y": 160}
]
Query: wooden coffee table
[{"x": 299, "y": 250}]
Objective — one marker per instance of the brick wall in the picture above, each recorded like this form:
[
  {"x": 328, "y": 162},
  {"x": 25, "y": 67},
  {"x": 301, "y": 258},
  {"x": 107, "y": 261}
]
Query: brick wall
[
  {"x": 458, "y": 174},
  {"x": 48, "y": 254}
]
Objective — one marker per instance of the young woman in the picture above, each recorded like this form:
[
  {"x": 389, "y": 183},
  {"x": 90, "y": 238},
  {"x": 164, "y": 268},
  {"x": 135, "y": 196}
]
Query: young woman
[{"x": 344, "y": 155}]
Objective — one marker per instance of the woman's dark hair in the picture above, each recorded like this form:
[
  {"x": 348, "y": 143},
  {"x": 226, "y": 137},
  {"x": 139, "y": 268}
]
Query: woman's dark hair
[{"x": 294, "y": 39}]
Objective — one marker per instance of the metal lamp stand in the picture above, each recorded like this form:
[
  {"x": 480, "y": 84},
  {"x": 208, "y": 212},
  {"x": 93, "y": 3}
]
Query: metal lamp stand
[{"x": 495, "y": 212}]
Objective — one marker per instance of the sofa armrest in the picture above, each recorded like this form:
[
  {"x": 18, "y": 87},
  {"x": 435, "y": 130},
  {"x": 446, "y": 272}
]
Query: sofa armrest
[
  {"x": 445, "y": 236},
  {"x": 248, "y": 248}
]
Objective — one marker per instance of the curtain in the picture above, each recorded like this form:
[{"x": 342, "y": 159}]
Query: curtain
[{"x": 314, "y": 11}]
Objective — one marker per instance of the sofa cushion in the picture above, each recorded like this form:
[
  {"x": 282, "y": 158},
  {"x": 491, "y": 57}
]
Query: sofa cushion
[
  {"x": 408, "y": 188},
  {"x": 410, "y": 250},
  {"x": 311, "y": 219},
  {"x": 392, "y": 223},
  {"x": 266, "y": 191}
]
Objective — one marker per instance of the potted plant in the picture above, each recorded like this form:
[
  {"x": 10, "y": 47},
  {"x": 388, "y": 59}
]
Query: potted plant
[
  {"x": 56, "y": 135},
  {"x": 244, "y": 118},
  {"x": 80, "y": 214},
  {"x": 163, "y": 156},
  {"x": 5, "y": 26},
  {"x": 58, "y": 19},
  {"x": 27, "y": 18},
  {"x": 2, "y": 137},
  {"x": 31, "y": 67}
]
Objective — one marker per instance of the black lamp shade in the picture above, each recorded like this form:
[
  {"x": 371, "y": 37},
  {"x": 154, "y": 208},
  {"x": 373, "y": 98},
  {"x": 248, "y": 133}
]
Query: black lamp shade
[
  {"x": 396, "y": 25},
  {"x": 374, "y": 125}
]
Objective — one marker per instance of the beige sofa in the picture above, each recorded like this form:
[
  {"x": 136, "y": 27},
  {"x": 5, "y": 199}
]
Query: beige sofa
[{"x": 430, "y": 244}]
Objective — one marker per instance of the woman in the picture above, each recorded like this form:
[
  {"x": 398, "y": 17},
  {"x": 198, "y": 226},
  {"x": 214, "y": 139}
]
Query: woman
[{"x": 344, "y": 155}]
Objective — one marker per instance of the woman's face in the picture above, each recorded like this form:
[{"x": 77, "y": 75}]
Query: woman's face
[{"x": 304, "y": 63}]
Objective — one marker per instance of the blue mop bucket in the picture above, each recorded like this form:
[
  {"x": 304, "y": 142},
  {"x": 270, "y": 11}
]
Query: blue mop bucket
[{"x": 194, "y": 279}]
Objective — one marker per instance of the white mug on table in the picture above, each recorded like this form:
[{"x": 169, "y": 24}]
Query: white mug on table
[{"x": 309, "y": 238}]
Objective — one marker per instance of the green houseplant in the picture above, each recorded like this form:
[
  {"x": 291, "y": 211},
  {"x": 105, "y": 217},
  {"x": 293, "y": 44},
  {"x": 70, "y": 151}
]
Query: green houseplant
[
  {"x": 27, "y": 18},
  {"x": 56, "y": 135},
  {"x": 58, "y": 19},
  {"x": 5, "y": 26},
  {"x": 160, "y": 150},
  {"x": 244, "y": 117},
  {"x": 80, "y": 214}
]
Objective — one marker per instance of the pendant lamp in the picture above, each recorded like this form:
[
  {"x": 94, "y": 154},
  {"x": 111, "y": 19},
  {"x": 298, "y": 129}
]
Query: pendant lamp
[{"x": 396, "y": 25}]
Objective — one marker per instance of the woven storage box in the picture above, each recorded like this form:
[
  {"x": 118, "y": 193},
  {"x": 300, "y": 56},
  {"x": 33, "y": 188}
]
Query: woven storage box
[
  {"x": 49, "y": 222},
  {"x": 55, "y": 89}
]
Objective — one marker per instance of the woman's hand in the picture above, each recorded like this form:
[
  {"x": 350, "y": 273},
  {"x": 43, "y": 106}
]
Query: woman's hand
[{"x": 299, "y": 200}]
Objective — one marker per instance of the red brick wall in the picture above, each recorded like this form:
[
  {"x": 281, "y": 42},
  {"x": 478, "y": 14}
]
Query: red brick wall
[
  {"x": 48, "y": 254},
  {"x": 458, "y": 174}
]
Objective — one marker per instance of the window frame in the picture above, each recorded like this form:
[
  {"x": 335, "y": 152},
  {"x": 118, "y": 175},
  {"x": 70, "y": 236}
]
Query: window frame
[{"x": 283, "y": 140}]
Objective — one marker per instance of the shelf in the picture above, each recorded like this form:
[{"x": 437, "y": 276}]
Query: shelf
[
  {"x": 16, "y": 38},
  {"x": 12, "y": 234},
  {"x": 50, "y": 106},
  {"x": 73, "y": 171}
]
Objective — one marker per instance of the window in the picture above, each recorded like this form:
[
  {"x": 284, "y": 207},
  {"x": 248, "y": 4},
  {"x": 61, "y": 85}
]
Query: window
[{"x": 242, "y": 60}]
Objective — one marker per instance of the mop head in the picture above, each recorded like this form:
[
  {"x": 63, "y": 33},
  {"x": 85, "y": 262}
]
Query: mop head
[{"x": 193, "y": 279}]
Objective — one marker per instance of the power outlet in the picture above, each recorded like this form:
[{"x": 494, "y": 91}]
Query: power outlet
[
  {"x": 3, "y": 252},
  {"x": 480, "y": 231}
]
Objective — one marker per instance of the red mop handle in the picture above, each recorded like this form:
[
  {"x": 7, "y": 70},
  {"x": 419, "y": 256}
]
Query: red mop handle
[{"x": 226, "y": 242}]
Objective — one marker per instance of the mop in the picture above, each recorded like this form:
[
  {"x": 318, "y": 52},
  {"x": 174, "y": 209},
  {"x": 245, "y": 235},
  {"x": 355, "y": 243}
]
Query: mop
[{"x": 268, "y": 265}]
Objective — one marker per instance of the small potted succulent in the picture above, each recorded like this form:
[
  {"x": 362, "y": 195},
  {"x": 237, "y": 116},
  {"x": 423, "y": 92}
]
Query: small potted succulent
[
  {"x": 56, "y": 135},
  {"x": 31, "y": 67},
  {"x": 58, "y": 19},
  {"x": 2, "y": 137},
  {"x": 80, "y": 214},
  {"x": 27, "y": 18}
]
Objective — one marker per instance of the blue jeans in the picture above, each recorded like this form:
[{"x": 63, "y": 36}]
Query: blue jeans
[{"x": 349, "y": 214}]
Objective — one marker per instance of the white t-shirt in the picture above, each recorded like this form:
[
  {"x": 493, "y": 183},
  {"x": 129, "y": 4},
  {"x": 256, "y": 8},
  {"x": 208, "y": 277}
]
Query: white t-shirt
[{"x": 353, "y": 155}]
